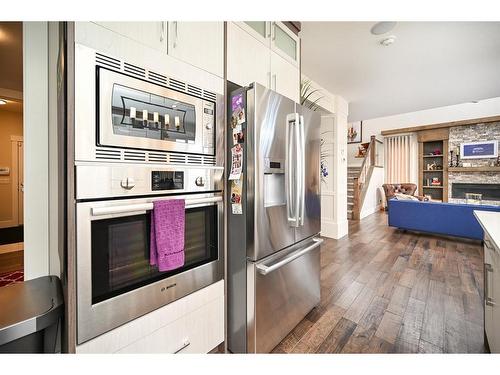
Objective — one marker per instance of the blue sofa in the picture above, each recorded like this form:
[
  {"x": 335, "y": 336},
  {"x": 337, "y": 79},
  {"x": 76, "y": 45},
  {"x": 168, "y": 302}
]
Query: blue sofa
[{"x": 434, "y": 217}]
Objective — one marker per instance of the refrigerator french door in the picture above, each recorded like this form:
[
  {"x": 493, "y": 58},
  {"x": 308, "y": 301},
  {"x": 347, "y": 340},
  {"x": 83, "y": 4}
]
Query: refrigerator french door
[{"x": 273, "y": 243}]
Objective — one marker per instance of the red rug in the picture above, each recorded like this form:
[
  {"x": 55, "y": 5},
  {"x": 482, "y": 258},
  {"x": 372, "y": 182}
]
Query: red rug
[{"x": 11, "y": 278}]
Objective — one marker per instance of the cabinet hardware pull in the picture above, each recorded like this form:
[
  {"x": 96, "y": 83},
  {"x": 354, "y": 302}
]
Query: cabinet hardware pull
[
  {"x": 162, "y": 33},
  {"x": 176, "y": 34},
  {"x": 490, "y": 302},
  {"x": 185, "y": 344}
]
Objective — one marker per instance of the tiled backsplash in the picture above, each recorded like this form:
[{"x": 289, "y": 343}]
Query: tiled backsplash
[{"x": 473, "y": 133}]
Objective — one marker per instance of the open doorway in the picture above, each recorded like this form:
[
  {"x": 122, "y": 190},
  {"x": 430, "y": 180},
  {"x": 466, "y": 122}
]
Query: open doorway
[{"x": 11, "y": 154}]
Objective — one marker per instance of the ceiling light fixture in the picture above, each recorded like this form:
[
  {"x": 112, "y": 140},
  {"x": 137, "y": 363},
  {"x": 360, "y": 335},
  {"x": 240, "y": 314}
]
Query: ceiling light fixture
[
  {"x": 382, "y": 27},
  {"x": 388, "y": 41},
  {"x": 3, "y": 102}
]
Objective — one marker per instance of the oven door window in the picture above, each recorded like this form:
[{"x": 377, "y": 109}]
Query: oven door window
[
  {"x": 136, "y": 113},
  {"x": 120, "y": 251}
]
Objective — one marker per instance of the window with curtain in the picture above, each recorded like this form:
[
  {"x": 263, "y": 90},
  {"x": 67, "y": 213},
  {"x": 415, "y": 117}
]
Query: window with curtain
[{"x": 401, "y": 159}]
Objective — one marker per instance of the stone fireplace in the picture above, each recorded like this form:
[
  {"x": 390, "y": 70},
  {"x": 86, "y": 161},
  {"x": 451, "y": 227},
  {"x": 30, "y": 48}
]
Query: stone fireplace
[{"x": 483, "y": 182}]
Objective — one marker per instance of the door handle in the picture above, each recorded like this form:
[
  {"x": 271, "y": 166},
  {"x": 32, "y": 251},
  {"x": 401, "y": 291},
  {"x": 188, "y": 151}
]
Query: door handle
[
  {"x": 302, "y": 171},
  {"x": 184, "y": 345},
  {"x": 162, "y": 31},
  {"x": 101, "y": 211},
  {"x": 264, "y": 270},
  {"x": 176, "y": 34},
  {"x": 291, "y": 170}
]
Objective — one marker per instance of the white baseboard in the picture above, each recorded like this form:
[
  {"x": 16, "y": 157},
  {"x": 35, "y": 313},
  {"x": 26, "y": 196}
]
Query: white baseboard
[{"x": 332, "y": 229}]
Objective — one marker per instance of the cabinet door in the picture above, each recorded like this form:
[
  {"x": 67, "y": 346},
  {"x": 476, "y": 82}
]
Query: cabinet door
[
  {"x": 285, "y": 43},
  {"x": 285, "y": 78},
  {"x": 152, "y": 34},
  {"x": 260, "y": 30},
  {"x": 200, "y": 44},
  {"x": 488, "y": 297},
  {"x": 494, "y": 292},
  {"x": 248, "y": 60}
]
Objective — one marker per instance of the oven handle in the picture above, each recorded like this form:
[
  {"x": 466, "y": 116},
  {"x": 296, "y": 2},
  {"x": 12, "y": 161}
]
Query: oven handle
[{"x": 100, "y": 211}]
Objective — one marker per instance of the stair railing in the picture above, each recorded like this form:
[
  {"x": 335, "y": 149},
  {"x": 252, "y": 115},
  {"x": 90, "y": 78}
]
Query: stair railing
[{"x": 371, "y": 159}]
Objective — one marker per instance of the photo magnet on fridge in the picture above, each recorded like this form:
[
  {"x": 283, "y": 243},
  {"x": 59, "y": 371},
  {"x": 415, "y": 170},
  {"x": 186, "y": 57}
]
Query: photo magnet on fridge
[
  {"x": 238, "y": 110},
  {"x": 236, "y": 162}
]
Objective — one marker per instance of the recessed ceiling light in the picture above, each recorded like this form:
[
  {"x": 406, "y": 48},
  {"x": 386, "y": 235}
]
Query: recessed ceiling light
[
  {"x": 3, "y": 102},
  {"x": 388, "y": 41},
  {"x": 382, "y": 27}
]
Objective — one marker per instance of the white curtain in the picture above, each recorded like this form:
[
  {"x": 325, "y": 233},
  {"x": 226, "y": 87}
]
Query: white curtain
[{"x": 401, "y": 159}]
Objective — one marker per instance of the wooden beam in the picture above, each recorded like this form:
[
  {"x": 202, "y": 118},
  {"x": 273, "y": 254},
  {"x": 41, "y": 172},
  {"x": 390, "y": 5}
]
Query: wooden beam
[{"x": 480, "y": 120}]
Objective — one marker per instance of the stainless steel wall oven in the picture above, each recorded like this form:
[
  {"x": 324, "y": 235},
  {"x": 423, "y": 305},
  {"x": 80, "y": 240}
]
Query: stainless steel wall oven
[{"x": 141, "y": 136}]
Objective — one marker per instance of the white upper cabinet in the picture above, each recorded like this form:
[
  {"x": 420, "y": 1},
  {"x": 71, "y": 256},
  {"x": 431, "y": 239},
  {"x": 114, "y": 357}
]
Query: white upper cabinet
[
  {"x": 285, "y": 77},
  {"x": 264, "y": 52},
  {"x": 152, "y": 34},
  {"x": 200, "y": 44},
  {"x": 285, "y": 43},
  {"x": 248, "y": 59}
]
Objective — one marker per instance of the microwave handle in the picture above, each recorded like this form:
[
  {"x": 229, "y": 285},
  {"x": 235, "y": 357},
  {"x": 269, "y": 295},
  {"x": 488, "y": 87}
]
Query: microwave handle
[{"x": 101, "y": 211}]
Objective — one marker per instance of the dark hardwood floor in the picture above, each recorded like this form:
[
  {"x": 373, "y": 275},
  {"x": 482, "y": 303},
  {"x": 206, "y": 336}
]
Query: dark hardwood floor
[{"x": 388, "y": 291}]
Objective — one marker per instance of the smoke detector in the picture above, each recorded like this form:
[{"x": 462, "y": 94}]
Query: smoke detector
[
  {"x": 382, "y": 27},
  {"x": 388, "y": 41}
]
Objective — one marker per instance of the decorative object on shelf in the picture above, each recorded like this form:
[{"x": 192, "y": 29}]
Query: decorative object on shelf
[
  {"x": 435, "y": 181},
  {"x": 498, "y": 161},
  {"x": 354, "y": 132},
  {"x": 451, "y": 158},
  {"x": 362, "y": 148},
  {"x": 457, "y": 164},
  {"x": 437, "y": 151},
  {"x": 473, "y": 198},
  {"x": 466, "y": 165}
]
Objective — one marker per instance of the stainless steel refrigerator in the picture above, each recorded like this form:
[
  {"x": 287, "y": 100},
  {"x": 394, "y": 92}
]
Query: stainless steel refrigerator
[{"x": 273, "y": 221}]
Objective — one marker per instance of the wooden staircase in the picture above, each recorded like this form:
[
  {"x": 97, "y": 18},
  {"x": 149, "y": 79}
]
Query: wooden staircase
[
  {"x": 359, "y": 177},
  {"x": 352, "y": 174}
]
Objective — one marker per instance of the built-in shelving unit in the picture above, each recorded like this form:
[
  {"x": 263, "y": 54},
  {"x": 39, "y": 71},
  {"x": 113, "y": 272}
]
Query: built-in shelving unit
[{"x": 433, "y": 149}]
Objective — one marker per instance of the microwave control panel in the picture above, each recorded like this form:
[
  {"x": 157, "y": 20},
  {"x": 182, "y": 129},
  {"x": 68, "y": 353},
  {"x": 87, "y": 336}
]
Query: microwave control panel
[
  {"x": 208, "y": 124},
  {"x": 167, "y": 180}
]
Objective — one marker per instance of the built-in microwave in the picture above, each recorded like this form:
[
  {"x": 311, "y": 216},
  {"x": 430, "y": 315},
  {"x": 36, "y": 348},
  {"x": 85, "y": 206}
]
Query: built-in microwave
[
  {"x": 142, "y": 115},
  {"x": 129, "y": 113}
]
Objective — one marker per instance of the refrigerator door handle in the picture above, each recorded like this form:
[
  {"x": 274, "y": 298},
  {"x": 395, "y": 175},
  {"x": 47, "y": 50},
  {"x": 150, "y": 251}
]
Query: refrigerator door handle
[
  {"x": 291, "y": 170},
  {"x": 302, "y": 172},
  {"x": 264, "y": 270}
]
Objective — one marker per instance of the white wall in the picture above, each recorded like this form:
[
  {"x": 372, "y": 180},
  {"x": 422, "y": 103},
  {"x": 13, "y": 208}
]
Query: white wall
[
  {"x": 485, "y": 108},
  {"x": 373, "y": 198},
  {"x": 36, "y": 150}
]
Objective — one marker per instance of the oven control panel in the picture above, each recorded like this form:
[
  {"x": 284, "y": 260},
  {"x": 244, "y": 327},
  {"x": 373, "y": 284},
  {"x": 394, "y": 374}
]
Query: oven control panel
[
  {"x": 208, "y": 125},
  {"x": 167, "y": 180}
]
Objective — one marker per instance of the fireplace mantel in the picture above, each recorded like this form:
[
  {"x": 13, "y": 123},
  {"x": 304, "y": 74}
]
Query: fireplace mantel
[{"x": 473, "y": 169}]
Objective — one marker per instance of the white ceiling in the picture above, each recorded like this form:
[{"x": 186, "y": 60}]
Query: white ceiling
[{"x": 431, "y": 64}]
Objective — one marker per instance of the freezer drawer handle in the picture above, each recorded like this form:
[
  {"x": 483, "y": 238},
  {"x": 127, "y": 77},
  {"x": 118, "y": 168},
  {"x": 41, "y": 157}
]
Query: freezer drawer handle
[{"x": 264, "y": 270}]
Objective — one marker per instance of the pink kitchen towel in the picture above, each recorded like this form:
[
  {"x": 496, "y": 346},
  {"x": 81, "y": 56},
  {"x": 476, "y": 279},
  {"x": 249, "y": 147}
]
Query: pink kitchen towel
[{"x": 167, "y": 234}]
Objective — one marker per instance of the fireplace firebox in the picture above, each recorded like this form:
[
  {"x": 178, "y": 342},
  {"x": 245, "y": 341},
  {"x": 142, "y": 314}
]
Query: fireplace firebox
[{"x": 490, "y": 192}]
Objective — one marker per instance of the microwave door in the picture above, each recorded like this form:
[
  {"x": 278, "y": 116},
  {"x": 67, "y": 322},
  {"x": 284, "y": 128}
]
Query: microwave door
[
  {"x": 309, "y": 174},
  {"x": 267, "y": 156}
]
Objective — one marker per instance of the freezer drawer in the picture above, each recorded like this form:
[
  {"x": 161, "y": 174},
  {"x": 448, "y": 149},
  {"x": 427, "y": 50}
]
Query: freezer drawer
[{"x": 287, "y": 287}]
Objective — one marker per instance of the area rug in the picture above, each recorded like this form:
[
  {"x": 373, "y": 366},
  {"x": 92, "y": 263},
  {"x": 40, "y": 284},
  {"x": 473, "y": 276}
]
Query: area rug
[{"x": 11, "y": 278}]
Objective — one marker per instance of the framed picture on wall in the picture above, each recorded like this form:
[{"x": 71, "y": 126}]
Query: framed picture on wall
[
  {"x": 354, "y": 132},
  {"x": 479, "y": 150}
]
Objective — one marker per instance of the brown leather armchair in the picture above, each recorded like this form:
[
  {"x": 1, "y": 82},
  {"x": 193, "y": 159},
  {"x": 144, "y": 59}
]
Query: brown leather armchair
[{"x": 405, "y": 188}]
